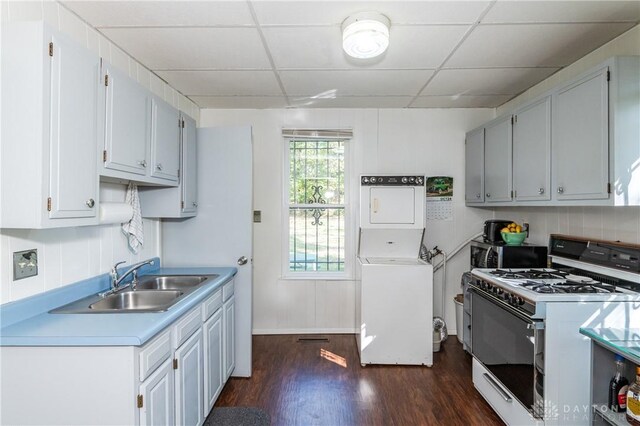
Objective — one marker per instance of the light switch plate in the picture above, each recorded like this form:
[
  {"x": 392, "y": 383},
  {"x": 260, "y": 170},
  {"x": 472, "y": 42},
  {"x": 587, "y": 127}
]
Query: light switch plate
[{"x": 25, "y": 264}]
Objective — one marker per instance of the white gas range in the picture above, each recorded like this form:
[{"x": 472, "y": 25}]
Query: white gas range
[{"x": 530, "y": 362}]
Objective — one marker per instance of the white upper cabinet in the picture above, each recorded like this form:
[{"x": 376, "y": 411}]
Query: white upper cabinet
[
  {"x": 497, "y": 160},
  {"x": 532, "y": 151},
  {"x": 181, "y": 201},
  {"x": 474, "y": 166},
  {"x": 165, "y": 140},
  {"x": 51, "y": 103},
  {"x": 127, "y": 124},
  {"x": 581, "y": 138}
]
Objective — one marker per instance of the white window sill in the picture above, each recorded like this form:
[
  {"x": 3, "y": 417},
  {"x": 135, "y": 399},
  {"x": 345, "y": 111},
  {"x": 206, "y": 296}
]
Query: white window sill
[{"x": 314, "y": 276}]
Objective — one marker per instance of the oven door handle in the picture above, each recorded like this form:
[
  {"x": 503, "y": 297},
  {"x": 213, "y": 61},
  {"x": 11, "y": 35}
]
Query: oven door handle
[
  {"x": 497, "y": 387},
  {"x": 499, "y": 303}
]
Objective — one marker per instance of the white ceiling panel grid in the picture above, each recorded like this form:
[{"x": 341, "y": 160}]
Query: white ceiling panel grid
[{"x": 287, "y": 53}]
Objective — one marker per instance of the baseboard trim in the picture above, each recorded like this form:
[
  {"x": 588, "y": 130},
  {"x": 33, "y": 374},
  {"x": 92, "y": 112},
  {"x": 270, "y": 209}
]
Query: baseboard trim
[{"x": 262, "y": 331}]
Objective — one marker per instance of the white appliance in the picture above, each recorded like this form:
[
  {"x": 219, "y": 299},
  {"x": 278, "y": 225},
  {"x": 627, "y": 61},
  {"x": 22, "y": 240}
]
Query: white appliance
[
  {"x": 530, "y": 361},
  {"x": 392, "y": 201},
  {"x": 396, "y": 288}
]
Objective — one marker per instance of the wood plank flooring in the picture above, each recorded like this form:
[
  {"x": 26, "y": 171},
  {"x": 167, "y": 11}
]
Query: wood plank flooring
[{"x": 322, "y": 383}]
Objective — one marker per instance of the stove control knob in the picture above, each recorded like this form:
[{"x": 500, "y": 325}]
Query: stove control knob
[
  {"x": 404, "y": 180},
  {"x": 520, "y": 301},
  {"x": 499, "y": 291},
  {"x": 507, "y": 297}
]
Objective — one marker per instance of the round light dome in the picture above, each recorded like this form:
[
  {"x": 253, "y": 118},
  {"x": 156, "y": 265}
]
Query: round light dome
[{"x": 365, "y": 35}]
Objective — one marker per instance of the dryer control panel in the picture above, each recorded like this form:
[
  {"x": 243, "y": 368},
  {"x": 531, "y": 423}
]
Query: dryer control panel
[{"x": 392, "y": 180}]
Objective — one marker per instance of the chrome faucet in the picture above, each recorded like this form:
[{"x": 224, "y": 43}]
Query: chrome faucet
[{"x": 117, "y": 279}]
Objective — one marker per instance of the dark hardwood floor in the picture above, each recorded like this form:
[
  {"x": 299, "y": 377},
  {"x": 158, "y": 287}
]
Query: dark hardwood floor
[{"x": 322, "y": 383}]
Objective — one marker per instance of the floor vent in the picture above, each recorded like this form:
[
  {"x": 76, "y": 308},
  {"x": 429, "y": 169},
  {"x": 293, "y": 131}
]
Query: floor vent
[{"x": 312, "y": 339}]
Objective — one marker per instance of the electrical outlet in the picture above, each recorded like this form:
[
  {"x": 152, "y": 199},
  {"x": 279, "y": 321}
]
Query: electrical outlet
[{"x": 25, "y": 264}]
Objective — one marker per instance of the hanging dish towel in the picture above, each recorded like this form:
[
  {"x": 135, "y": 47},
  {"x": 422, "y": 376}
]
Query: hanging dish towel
[{"x": 133, "y": 229}]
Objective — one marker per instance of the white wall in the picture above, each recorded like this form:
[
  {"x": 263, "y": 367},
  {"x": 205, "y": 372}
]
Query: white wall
[
  {"x": 609, "y": 223},
  {"x": 429, "y": 141},
  {"x": 70, "y": 254}
]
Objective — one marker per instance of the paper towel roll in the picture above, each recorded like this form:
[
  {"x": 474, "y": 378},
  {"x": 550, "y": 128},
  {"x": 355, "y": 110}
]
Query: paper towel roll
[{"x": 115, "y": 212}]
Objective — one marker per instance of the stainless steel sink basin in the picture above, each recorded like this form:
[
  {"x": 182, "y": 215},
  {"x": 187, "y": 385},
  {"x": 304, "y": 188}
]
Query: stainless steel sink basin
[
  {"x": 172, "y": 282},
  {"x": 140, "y": 301},
  {"x": 154, "y": 293}
]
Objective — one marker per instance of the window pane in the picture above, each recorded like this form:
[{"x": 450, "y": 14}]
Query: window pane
[
  {"x": 316, "y": 172},
  {"x": 316, "y": 239}
]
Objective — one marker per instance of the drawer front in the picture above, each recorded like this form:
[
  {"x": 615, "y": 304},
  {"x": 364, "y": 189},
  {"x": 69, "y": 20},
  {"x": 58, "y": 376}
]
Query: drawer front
[
  {"x": 153, "y": 354},
  {"x": 502, "y": 402},
  {"x": 185, "y": 326},
  {"x": 228, "y": 290},
  {"x": 212, "y": 304}
]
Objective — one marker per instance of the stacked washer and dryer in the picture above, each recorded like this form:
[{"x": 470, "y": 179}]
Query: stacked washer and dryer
[{"x": 396, "y": 288}]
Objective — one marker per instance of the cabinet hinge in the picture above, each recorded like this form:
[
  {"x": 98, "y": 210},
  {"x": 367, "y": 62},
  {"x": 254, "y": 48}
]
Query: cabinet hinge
[
  {"x": 140, "y": 401},
  {"x": 106, "y": 79},
  {"x": 182, "y": 204},
  {"x": 512, "y": 119},
  {"x": 104, "y": 156},
  {"x": 182, "y": 123},
  {"x": 512, "y": 194},
  {"x": 608, "y": 75},
  {"x": 175, "y": 363},
  {"x": 49, "y": 204},
  {"x": 515, "y": 118},
  {"x": 609, "y": 188},
  {"x": 51, "y": 49}
]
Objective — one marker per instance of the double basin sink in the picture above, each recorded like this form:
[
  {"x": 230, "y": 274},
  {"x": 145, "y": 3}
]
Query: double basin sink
[{"x": 153, "y": 293}]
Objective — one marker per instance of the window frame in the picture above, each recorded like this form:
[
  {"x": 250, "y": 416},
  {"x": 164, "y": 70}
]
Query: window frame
[{"x": 347, "y": 273}]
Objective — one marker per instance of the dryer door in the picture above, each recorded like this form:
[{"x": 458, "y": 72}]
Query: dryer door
[{"x": 392, "y": 205}]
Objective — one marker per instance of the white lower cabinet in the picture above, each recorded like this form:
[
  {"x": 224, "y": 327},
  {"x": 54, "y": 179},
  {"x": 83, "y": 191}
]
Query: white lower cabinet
[
  {"x": 188, "y": 365},
  {"x": 175, "y": 378},
  {"x": 156, "y": 397}
]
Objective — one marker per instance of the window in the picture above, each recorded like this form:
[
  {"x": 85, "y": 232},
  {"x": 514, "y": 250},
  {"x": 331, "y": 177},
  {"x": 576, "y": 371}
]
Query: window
[{"x": 316, "y": 205}]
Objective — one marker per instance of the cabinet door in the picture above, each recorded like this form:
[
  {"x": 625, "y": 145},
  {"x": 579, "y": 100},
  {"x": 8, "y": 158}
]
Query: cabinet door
[
  {"x": 212, "y": 360},
  {"x": 189, "y": 183},
  {"x": 229, "y": 337},
  {"x": 157, "y": 397},
  {"x": 497, "y": 160},
  {"x": 474, "y": 167},
  {"x": 532, "y": 152},
  {"x": 165, "y": 140},
  {"x": 581, "y": 138},
  {"x": 189, "y": 381},
  {"x": 75, "y": 77},
  {"x": 127, "y": 123}
]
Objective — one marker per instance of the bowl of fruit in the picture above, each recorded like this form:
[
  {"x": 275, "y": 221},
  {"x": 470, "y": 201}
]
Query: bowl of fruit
[{"x": 513, "y": 234}]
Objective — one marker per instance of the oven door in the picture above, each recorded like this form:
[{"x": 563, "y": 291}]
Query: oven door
[{"x": 510, "y": 345}]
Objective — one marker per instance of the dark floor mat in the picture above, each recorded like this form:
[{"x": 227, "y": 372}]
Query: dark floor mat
[{"x": 237, "y": 416}]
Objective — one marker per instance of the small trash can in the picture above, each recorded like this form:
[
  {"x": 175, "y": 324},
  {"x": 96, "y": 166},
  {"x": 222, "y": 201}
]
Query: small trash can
[{"x": 458, "y": 300}]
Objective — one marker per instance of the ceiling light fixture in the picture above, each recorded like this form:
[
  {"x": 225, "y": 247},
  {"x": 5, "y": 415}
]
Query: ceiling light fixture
[{"x": 365, "y": 35}]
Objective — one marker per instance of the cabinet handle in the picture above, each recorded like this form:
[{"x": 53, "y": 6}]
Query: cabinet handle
[
  {"x": 159, "y": 166},
  {"x": 541, "y": 191},
  {"x": 90, "y": 203},
  {"x": 143, "y": 163},
  {"x": 560, "y": 190},
  {"x": 488, "y": 195},
  {"x": 478, "y": 195}
]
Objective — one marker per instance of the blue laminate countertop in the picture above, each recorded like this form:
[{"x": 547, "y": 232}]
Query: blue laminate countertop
[
  {"x": 29, "y": 323},
  {"x": 625, "y": 342}
]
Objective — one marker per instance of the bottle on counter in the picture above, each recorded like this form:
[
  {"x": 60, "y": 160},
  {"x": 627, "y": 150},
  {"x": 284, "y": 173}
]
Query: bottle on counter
[
  {"x": 618, "y": 387},
  {"x": 633, "y": 401}
]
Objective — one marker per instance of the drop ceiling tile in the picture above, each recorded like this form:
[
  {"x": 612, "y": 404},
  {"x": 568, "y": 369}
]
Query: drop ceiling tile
[
  {"x": 510, "y": 11},
  {"x": 530, "y": 45},
  {"x": 215, "y": 83},
  {"x": 162, "y": 13},
  {"x": 189, "y": 48},
  {"x": 416, "y": 47},
  {"x": 499, "y": 81},
  {"x": 399, "y": 12},
  {"x": 354, "y": 83},
  {"x": 249, "y": 102},
  {"x": 352, "y": 102},
  {"x": 464, "y": 101}
]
